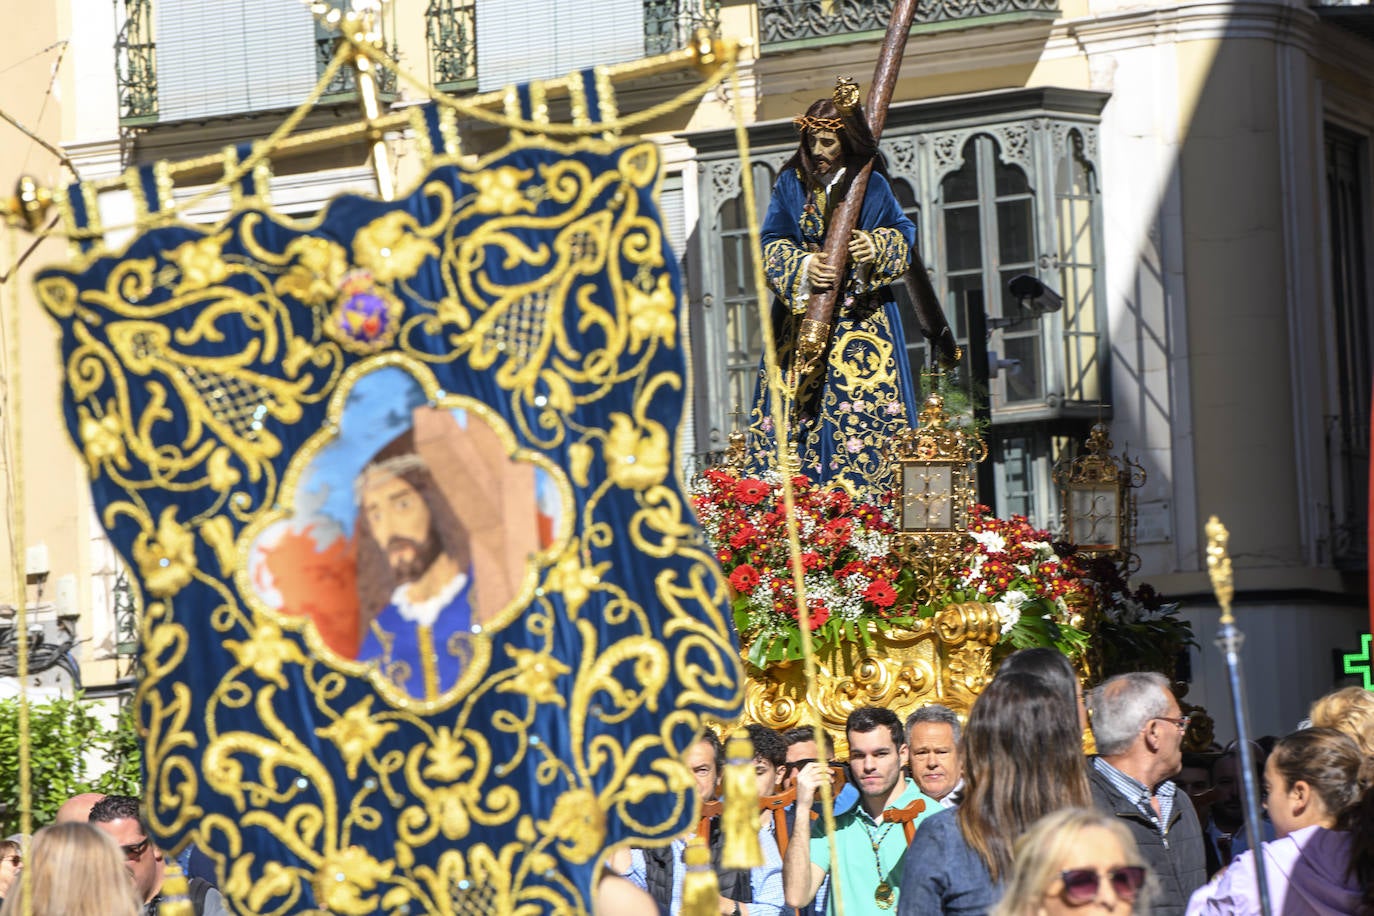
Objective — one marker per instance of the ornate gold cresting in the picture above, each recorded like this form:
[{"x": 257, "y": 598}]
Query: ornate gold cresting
[
  {"x": 935, "y": 487},
  {"x": 943, "y": 659},
  {"x": 1097, "y": 500}
]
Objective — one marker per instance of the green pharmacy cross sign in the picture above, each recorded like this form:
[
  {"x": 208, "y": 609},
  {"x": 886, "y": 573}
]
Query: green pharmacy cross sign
[{"x": 1362, "y": 662}]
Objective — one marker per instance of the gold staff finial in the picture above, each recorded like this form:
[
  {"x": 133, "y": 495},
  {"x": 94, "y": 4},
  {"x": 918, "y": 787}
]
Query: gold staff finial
[{"x": 1219, "y": 566}]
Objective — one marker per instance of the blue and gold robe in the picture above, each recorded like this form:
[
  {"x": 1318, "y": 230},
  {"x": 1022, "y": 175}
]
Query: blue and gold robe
[{"x": 846, "y": 418}]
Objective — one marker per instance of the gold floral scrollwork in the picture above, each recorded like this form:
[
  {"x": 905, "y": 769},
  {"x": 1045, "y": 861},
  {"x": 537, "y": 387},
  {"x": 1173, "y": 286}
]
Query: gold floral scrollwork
[
  {"x": 574, "y": 580},
  {"x": 218, "y": 532},
  {"x": 102, "y": 439},
  {"x": 356, "y": 733},
  {"x": 498, "y": 190},
  {"x": 266, "y": 652},
  {"x": 201, "y": 262},
  {"x": 345, "y": 877},
  {"x": 445, "y": 760},
  {"x": 578, "y": 824},
  {"x": 167, "y": 559},
  {"x": 391, "y": 247},
  {"x": 58, "y": 295},
  {"x": 652, "y": 313},
  {"x": 536, "y": 675},
  {"x": 636, "y": 457},
  {"x": 317, "y": 270}
]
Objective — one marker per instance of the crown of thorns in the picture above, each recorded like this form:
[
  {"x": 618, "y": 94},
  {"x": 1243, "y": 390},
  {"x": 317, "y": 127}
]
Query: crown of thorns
[{"x": 809, "y": 123}]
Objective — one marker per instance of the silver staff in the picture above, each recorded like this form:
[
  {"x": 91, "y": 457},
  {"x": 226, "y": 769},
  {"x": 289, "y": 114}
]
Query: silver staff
[{"x": 1229, "y": 640}]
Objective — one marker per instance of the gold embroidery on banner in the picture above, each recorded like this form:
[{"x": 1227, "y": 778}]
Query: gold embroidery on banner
[
  {"x": 162, "y": 180},
  {"x": 606, "y": 267}
]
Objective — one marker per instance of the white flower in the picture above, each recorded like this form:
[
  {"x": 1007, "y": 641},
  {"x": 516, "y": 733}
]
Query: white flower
[
  {"x": 1008, "y": 613},
  {"x": 1014, "y": 598},
  {"x": 992, "y": 541}
]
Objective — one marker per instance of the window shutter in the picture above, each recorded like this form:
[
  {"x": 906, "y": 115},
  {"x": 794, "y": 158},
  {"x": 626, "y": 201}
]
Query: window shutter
[
  {"x": 223, "y": 57},
  {"x": 522, "y": 40},
  {"x": 671, "y": 203}
]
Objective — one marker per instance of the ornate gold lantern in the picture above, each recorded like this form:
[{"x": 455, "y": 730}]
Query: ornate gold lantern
[
  {"x": 935, "y": 487},
  {"x": 1097, "y": 499}
]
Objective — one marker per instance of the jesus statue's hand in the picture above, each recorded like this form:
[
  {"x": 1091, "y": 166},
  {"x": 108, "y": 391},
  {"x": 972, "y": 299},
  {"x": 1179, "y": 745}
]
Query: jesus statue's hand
[
  {"x": 861, "y": 247},
  {"x": 820, "y": 274}
]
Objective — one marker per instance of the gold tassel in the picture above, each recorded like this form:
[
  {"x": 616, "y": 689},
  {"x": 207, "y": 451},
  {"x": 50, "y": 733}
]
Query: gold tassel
[
  {"x": 740, "y": 817},
  {"x": 176, "y": 893},
  {"x": 700, "y": 888}
]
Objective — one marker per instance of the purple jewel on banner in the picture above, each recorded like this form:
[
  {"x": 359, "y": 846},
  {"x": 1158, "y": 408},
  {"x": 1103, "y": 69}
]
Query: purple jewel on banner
[{"x": 365, "y": 315}]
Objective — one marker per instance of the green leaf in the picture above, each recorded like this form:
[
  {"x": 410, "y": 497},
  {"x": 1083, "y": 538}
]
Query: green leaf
[{"x": 759, "y": 652}]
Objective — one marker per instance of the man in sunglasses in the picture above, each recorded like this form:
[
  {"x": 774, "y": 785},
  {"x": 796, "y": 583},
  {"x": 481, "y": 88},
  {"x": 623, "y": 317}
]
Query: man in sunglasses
[
  {"x": 120, "y": 817},
  {"x": 1139, "y": 730},
  {"x": 802, "y": 748}
]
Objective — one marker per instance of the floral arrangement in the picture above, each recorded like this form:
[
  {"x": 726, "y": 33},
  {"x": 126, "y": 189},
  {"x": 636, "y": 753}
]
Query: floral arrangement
[
  {"x": 1139, "y": 630},
  {"x": 853, "y": 579}
]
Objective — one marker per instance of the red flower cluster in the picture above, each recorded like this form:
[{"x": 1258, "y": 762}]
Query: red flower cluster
[
  {"x": 1012, "y": 554},
  {"x": 847, "y": 559}
]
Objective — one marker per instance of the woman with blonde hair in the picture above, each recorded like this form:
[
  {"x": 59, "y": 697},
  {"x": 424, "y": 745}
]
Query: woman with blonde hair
[
  {"x": 1349, "y": 710},
  {"x": 1073, "y": 858},
  {"x": 74, "y": 869}
]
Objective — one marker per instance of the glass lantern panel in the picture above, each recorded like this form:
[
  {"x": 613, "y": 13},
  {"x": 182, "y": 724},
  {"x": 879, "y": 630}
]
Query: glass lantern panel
[
  {"x": 927, "y": 497},
  {"x": 1094, "y": 517}
]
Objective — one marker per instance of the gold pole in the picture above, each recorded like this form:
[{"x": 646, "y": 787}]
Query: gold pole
[{"x": 362, "y": 30}]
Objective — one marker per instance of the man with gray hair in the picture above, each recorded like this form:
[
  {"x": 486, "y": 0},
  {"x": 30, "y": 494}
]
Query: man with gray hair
[
  {"x": 932, "y": 739},
  {"x": 1139, "y": 728}
]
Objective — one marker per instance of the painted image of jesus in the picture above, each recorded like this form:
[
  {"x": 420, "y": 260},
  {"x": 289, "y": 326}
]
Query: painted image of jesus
[
  {"x": 438, "y": 558},
  {"x": 421, "y": 637},
  {"x": 416, "y": 532}
]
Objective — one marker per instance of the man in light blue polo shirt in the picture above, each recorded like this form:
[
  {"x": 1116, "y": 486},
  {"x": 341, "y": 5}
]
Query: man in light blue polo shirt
[{"x": 869, "y": 843}]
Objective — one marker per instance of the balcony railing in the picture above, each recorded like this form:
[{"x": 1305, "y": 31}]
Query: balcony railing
[
  {"x": 784, "y": 21},
  {"x": 135, "y": 65},
  {"x": 669, "y": 23},
  {"x": 451, "y": 30}
]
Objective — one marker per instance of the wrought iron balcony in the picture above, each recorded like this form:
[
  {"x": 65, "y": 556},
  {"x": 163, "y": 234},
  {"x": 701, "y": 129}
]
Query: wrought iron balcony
[
  {"x": 783, "y": 22},
  {"x": 451, "y": 31},
  {"x": 669, "y": 23},
  {"x": 135, "y": 70}
]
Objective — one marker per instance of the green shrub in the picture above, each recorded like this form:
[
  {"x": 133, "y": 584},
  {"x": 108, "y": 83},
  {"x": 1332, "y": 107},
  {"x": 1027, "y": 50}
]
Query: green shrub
[{"x": 66, "y": 739}]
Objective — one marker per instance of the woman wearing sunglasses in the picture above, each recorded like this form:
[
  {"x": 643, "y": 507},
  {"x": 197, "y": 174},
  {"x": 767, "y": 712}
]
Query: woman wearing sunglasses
[
  {"x": 1318, "y": 795},
  {"x": 1076, "y": 861}
]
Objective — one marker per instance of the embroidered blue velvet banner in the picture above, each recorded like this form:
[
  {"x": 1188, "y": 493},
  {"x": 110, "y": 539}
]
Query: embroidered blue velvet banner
[{"x": 425, "y": 610}]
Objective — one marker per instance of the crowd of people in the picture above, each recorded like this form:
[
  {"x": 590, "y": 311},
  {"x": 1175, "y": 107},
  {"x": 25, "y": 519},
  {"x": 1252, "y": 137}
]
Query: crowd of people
[
  {"x": 98, "y": 858},
  {"x": 1005, "y": 814}
]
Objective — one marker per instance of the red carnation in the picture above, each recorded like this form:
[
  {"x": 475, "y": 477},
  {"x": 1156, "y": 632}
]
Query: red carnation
[
  {"x": 819, "y": 614},
  {"x": 744, "y": 578},
  {"x": 743, "y": 536},
  {"x": 881, "y": 593},
  {"x": 751, "y": 492}
]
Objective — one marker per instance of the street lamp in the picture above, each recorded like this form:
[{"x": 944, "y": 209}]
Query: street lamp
[
  {"x": 935, "y": 487},
  {"x": 1097, "y": 500}
]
